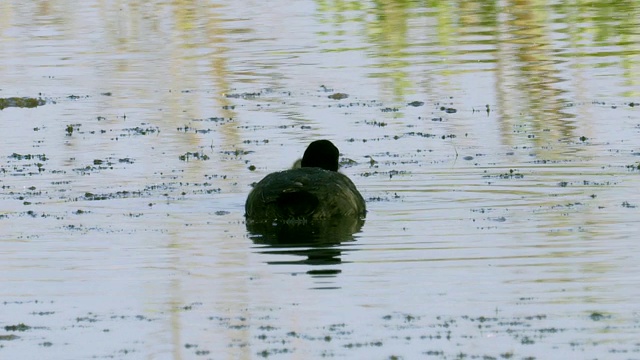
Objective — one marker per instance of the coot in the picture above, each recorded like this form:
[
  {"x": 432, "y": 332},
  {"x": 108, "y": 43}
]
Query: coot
[{"x": 314, "y": 192}]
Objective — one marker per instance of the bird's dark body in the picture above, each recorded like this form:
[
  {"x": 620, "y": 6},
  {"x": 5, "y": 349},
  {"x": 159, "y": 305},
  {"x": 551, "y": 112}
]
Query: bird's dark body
[{"x": 303, "y": 195}]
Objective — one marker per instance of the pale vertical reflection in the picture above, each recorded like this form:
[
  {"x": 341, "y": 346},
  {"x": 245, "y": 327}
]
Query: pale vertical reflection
[
  {"x": 530, "y": 79},
  {"x": 199, "y": 26},
  {"x": 159, "y": 50},
  {"x": 392, "y": 33}
]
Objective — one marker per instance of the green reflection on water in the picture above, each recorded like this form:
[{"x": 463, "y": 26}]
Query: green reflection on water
[
  {"x": 538, "y": 53},
  {"x": 402, "y": 33}
]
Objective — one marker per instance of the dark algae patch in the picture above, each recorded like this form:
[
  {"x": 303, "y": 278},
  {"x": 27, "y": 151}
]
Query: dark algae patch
[
  {"x": 193, "y": 155},
  {"x": 21, "y": 102},
  {"x": 597, "y": 316},
  {"x": 635, "y": 166},
  {"x": 18, "y": 327},
  {"x": 41, "y": 157}
]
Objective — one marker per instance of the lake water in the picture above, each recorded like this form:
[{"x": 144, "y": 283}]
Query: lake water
[{"x": 497, "y": 144}]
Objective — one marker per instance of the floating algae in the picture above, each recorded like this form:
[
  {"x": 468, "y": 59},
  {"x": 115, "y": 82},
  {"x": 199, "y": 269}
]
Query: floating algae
[{"x": 23, "y": 102}]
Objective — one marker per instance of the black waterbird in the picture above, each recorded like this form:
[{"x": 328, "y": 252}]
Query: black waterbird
[{"x": 314, "y": 192}]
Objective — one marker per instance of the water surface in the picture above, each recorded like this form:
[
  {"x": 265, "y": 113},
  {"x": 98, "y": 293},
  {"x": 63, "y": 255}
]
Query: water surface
[{"x": 497, "y": 144}]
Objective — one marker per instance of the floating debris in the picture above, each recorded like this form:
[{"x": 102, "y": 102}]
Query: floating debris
[{"x": 448, "y": 110}]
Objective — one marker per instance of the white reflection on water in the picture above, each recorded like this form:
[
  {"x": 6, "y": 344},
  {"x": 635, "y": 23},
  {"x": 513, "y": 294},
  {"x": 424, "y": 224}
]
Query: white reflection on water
[{"x": 499, "y": 231}]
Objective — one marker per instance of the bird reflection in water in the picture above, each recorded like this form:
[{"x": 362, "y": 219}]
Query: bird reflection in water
[{"x": 317, "y": 242}]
